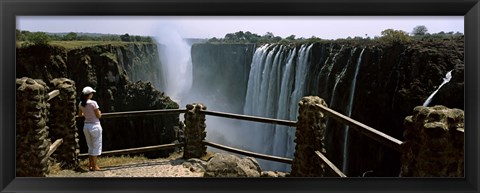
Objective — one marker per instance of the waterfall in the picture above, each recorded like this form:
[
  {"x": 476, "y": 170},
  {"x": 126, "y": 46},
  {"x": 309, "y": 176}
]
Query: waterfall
[
  {"x": 276, "y": 84},
  {"x": 446, "y": 79},
  {"x": 301, "y": 71},
  {"x": 284, "y": 99},
  {"x": 328, "y": 67},
  {"x": 338, "y": 77},
  {"x": 349, "y": 112}
]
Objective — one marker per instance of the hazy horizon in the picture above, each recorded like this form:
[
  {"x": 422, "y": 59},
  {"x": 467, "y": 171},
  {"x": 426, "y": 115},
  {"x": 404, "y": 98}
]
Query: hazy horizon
[{"x": 325, "y": 27}]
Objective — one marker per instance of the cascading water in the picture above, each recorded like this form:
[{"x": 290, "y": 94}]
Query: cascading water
[
  {"x": 339, "y": 77},
  {"x": 300, "y": 82},
  {"x": 446, "y": 79},
  {"x": 349, "y": 112},
  {"x": 276, "y": 84}
]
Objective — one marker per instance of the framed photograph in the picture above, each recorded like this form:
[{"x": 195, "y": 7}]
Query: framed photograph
[{"x": 349, "y": 54}]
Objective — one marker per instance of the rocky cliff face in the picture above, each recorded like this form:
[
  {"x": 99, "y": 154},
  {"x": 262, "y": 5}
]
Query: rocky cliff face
[
  {"x": 111, "y": 70},
  {"x": 392, "y": 79}
]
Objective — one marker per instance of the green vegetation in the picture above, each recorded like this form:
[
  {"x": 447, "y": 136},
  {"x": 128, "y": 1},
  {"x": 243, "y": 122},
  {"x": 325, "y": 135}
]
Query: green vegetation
[
  {"x": 389, "y": 36},
  {"x": 248, "y": 37},
  {"x": 75, "y": 39},
  {"x": 394, "y": 36},
  {"x": 37, "y": 38},
  {"x": 111, "y": 56},
  {"x": 419, "y": 30},
  {"x": 69, "y": 45}
]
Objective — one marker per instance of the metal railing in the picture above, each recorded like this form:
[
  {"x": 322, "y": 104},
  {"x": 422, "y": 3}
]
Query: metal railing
[
  {"x": 251, "y": 118},
  {"x": 362, "y": 128},
  {"x": 135, "y": 114}
]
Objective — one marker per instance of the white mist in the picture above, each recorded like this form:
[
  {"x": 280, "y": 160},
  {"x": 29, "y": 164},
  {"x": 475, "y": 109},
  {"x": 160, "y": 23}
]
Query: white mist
[{"x": 176, "y": 64}]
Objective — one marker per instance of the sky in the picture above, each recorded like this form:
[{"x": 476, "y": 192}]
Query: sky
[{"x": 325, "y": 27}]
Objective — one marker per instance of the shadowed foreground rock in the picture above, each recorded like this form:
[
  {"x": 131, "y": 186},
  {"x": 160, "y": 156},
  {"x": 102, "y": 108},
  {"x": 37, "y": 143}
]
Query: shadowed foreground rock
[
  {"x": 434, "y": 143},
  {"x": 32, "y": 142}
]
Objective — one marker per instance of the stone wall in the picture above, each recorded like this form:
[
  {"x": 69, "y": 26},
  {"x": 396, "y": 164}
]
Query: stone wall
[
  {"x": 434, "y": 143},
  {"x": 62, "y": 122},
  {"x": 32, "y": 142},
  {"x": 309, "y": 138},
  {"x": 40, "y": 121},
  {"x": 194, "y": 132}
]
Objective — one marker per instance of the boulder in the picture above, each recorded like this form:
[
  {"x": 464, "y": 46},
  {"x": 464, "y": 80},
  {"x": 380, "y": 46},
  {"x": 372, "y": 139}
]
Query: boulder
[
  {"x": 227, "y": 165},
  {"x": 273, "y": 174},
  {"x": 195, "y": 165}
]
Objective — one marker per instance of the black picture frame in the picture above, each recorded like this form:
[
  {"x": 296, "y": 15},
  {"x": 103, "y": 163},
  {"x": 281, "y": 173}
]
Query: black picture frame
[{"x": 9, "y": 9}]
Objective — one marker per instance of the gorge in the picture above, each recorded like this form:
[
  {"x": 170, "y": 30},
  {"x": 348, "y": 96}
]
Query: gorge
[{"x": 375, "y": 83}]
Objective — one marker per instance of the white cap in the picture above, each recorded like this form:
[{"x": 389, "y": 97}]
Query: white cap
[{"x": 88, "y": 90}]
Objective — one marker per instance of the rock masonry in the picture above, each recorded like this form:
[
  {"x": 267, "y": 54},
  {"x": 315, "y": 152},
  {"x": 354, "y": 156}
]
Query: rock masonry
[
  {"x": 32, "y": 134},
  {"x": 309, "y": 138},
  {"x": 434, "y": 143}
]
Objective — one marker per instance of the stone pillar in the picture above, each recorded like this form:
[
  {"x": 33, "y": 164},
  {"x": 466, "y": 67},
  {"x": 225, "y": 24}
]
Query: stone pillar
[
  {"x": 309, "y": 138},
  {"x": 32, "y": 142},
  {"x": 62, "y": 124},
  {"x": 194, "y": 132},
  {"x": 434, "y": 143}
]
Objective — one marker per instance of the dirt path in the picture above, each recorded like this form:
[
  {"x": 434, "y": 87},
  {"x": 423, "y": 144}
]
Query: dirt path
[{"x": 151, "y": 168}]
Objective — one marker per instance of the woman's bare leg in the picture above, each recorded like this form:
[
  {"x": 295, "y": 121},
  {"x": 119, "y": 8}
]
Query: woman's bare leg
[{"x": 95, "y": 166}]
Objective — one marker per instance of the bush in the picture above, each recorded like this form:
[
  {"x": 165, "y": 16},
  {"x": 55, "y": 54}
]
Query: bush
[
  {"x": 394, "y": 36},
  {"x": 38, "y": 38}
]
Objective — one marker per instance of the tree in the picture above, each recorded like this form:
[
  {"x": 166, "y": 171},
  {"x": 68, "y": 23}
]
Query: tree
[
  {"x": 125, "y": 37},
  {"x": 70, "y": 36},
  {"x": 38, "y": 38},
  {"x": 395, "y": 36},
  {"x": 419, "y": 30},
  {"x": 291, "y": 37},
  {"x": 240, "y": 35},
  {"x": 268, "y": 35},
  {"x": 19, "y": 36}
]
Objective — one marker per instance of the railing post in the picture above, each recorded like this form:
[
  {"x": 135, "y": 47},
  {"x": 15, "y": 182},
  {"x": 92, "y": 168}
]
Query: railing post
[
  {"x": 434, "y": 143},
  {"x": 309, "y": 138},
  {"x": 32, "y": 143},
  {"x": 194, "y": 131},
  {"x": 62, "y": 123}
]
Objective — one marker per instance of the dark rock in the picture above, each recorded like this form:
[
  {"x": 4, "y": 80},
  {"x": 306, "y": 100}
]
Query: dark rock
[{"x": 110, "y": 70}]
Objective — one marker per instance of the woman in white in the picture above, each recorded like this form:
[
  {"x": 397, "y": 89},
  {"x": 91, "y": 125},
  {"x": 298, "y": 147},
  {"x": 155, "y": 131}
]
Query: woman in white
[{"x": 92, "y": 128}]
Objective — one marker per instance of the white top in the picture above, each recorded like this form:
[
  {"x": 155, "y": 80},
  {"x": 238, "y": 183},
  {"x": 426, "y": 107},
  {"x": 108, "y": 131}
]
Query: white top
[{"x": 88, "y": 111}]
